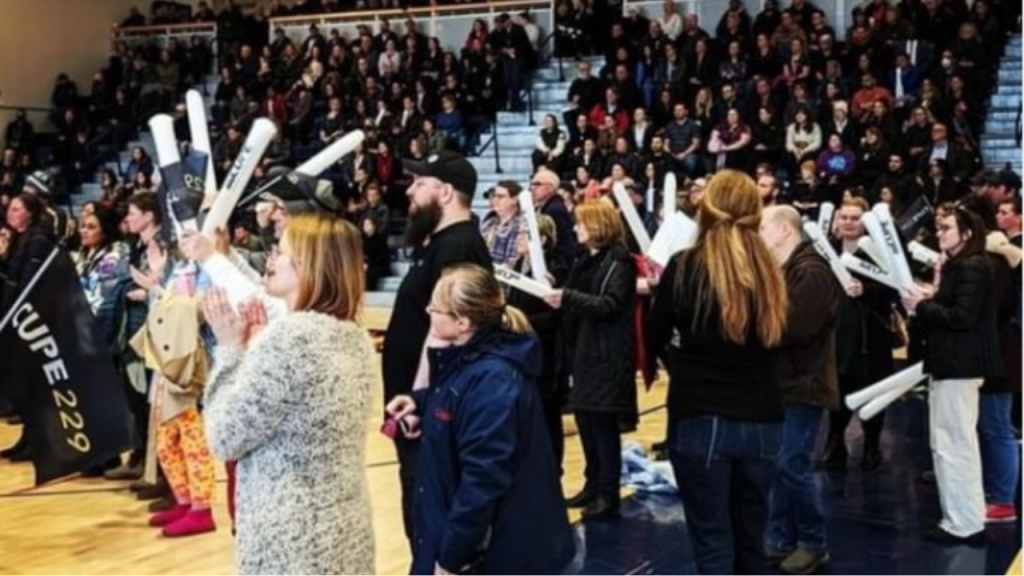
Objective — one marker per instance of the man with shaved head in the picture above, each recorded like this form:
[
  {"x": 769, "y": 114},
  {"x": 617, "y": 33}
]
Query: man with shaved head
[{"x": 805, "y": 369}]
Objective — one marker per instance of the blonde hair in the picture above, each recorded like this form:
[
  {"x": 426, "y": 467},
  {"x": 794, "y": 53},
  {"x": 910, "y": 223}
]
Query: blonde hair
[
  {"x": 471, "y": 292},
  {"x": 548, "y": 228},
  {"x": 602, "y": 223},
  {"x": 327, "y": 253},
  {"x": 738, "y": 271}
]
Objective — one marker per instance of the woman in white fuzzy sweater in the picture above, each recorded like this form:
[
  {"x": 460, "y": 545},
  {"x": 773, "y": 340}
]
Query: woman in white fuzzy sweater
[{"x": 290, "y": 402}]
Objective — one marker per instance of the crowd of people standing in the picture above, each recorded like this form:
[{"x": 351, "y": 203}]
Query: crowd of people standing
[{"x": 757, "y": 337}]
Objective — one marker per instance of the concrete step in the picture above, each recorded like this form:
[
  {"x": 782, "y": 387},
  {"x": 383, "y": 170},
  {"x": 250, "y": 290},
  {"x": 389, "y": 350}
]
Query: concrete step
[
  {"x": 992, "y": 142},
  {"x": 1009, "y": 90},
  {"x": 1002, "y": 155},
  {"x": 518, "y": 164},
  {"x": 1006, "y": 101}
]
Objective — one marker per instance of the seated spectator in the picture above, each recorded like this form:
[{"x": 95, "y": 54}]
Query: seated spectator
[
  {"x": 610, "y": 108},
  {"x": 873, "y": 155},
  {"x": 803, "y": 137},
  {"x": 767, "y": 138},
  {"x": 684, "y": 141},
  {"x": 139, "y": 162},
  {"x": 550, "y": 145},
  {"x": 869, "y": 93},
  {"x": 730, "y": 142},
  {"x": 450, "y": 124},
  {"x": 836, "y": 163},
  {"x": 904, "y": 81}
]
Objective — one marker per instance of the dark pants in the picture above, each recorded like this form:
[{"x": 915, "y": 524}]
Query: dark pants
[
  {"x": 725, "y": 469},
  {"x": 840, "y": 420},
  {"x": 556, "y": 430},
  {"x": 408, "y": 465},
  {"x": 602, "y": 448},
  {"x": 797, "y": 518},
  {"x": 138, "y": 405}
]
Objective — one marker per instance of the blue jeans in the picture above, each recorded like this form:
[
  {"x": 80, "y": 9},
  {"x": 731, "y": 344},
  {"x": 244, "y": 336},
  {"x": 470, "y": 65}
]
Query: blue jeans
[
  {"x": 724, "y": 469},
  {"x": 796, "y": 517},
  {"x": 1000, "y": 455}
]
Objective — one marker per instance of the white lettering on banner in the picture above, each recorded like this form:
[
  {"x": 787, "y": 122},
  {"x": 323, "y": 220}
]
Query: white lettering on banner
[{"x": 36, "y": 334}]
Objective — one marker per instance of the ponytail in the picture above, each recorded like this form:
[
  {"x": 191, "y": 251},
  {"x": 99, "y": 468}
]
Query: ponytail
[{"x": 514, "y": 321}]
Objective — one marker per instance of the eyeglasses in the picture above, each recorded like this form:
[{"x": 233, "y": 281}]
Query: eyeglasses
[
  {"x": 433, "y": 310},
  {"x": 536, "y": 184}
]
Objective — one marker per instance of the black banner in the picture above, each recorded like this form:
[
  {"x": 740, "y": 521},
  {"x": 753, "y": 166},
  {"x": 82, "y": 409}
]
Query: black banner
[{"x": 61, "y": 375}]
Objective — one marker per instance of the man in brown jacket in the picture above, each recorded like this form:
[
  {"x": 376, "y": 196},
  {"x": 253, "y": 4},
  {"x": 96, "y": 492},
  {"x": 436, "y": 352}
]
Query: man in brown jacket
[{"x": 805, "y": 367}]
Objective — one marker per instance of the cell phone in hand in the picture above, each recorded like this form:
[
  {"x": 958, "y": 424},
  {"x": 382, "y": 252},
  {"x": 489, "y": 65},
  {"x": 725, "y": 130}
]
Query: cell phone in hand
[{"x": 391, "y": 428}]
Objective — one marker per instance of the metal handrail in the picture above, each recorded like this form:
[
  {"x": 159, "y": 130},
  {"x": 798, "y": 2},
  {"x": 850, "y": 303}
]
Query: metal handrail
[
  {"x": 497, "y": 152},
  {"x": 433, "y": 11},
  {"x": 162, "y": 29}
]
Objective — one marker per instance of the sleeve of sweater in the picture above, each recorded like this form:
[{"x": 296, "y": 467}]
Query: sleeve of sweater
[
  {"x": 251, "y": 393},
  {"x": 968, "y": 301},
  {"x": 486, "y": 436}
]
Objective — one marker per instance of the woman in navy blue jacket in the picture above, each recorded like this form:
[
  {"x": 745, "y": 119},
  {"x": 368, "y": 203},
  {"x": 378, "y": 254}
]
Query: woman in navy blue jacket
[{"x": 489, "y": 499}]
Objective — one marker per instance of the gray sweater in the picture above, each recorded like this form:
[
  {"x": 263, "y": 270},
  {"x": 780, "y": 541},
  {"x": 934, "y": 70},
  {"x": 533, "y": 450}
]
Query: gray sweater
[{"x": 293, "y": 412}]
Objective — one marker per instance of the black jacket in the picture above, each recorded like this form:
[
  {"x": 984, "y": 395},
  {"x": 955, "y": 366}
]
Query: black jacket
[
  {"x": 805, "y": 365},
  {"x": 959, "y": 323},
  {"x": 27, "y": 254},
  {"x": 865, "y": 336},
  {"x": 597, "y": 345}
]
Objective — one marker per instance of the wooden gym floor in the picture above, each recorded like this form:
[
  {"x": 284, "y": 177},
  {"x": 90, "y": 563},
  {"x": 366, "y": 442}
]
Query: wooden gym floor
[{"x": 94, "y": 526}]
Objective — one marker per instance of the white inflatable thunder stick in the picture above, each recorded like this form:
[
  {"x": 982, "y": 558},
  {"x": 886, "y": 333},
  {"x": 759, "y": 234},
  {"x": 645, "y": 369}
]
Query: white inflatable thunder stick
[
  {"x": 200, "y": 130},
  {"x": 632, "y": 217},
  {"x": 897, "y": 381},
  {"x": 238, "y": 177},
  {"x": 538, "y": 267}
]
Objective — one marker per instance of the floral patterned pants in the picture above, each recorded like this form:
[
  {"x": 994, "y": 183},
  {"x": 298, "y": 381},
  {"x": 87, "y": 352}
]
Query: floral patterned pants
[{"x": 185, "y": 458}]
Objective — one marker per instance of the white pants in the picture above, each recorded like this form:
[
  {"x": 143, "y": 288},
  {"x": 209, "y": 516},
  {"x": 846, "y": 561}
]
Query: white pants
[{"x": 953, "y": 408}]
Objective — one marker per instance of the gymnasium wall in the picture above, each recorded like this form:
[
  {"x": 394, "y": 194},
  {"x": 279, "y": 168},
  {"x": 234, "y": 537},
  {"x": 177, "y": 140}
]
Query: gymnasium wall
[{"x": 41, "y": 38}]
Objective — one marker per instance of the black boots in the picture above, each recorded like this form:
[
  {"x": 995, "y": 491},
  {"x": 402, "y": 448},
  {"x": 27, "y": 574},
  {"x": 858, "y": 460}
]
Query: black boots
[
  {"x": 600, "y": 509},
  {"x": 581, "y": 500}
]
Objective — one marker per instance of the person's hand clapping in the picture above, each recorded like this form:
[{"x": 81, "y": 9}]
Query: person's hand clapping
[{"x": 225, "y": 322}]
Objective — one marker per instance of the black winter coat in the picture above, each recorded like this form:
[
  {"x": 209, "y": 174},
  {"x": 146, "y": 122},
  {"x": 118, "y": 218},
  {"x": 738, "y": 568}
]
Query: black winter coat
[
  {"x": 597, "y": 346},
  {"x": 864, "y": 345},
  {"x": 959, "y": 323}
]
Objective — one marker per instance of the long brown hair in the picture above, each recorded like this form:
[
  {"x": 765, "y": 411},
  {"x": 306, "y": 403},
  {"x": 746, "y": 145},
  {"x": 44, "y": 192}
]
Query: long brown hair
[
  {"x": 327, "y": 253},
  {"x": 468, "y": 291},
  {"x": 736, "y": 270}
]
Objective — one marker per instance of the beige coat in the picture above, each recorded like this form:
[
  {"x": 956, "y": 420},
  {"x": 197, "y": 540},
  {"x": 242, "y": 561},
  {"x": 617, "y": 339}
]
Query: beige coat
[{"x": 171, "y": 346}]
